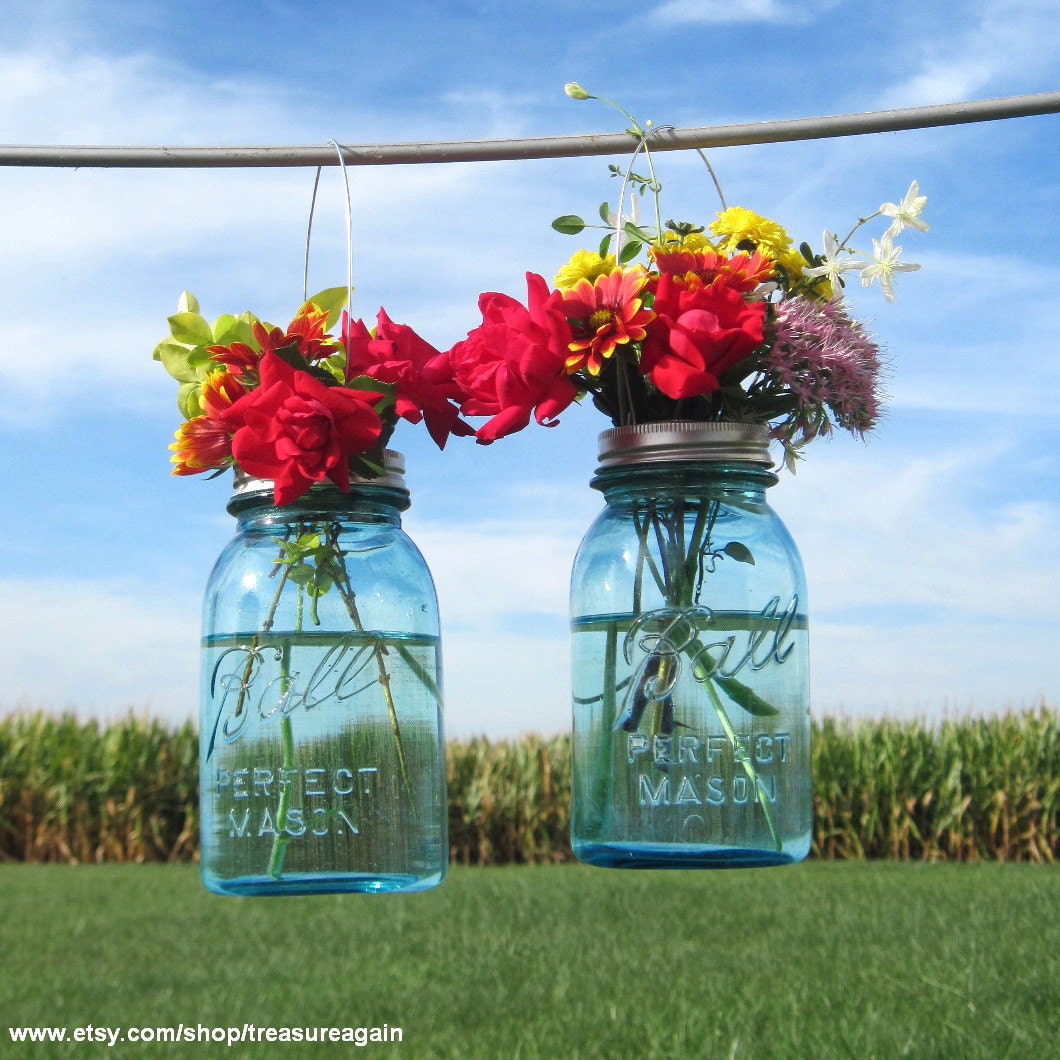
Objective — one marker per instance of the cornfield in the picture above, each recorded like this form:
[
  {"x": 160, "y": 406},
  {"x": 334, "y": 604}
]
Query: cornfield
[{"x": 966, "y": 790}]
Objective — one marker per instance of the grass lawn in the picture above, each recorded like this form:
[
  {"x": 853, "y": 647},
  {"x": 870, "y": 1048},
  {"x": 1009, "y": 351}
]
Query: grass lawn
[{"x": 877, "y": 959}]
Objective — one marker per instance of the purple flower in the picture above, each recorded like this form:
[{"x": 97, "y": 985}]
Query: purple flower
[{"x": 825, "y": 360}]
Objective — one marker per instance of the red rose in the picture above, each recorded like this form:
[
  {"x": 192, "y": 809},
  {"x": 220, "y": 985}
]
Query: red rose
[
  {"x": 514, "y": 364},
  {"x": 296, "y": 431},
  {"x": 421, "y": 374},
  {"x": 698, "y": 334}
]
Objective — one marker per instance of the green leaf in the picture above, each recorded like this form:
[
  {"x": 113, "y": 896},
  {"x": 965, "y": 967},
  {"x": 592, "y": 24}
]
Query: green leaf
[
  {"x": 228, "y": 329},
  {"x": 291, "y": 355},
  {"x": 333, "y": 301},
  {"x": 187, "y": 303},
  {"x": 374, "y": 386},
  {"x": 177, "y": 360},
  {"x": 189, "y": 400},
  {"x": 335, "y": 366},
  {"x": 605, "y": 245},
  {"x": 190, "y": 328},
  {"x": 221, "y": 326},
  {"x": 569, "y": 224},
  {"x": 739, "y": 552},
  {"x": 631, "y": 250},
  {"x": 301, "y": 574},
  {"x": 605, "y": 212},
  {"x": 744, "y": 697}
]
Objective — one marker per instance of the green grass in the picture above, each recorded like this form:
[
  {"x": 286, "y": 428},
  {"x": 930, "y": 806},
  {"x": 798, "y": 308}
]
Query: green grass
[{"x": 876, "y": 959}]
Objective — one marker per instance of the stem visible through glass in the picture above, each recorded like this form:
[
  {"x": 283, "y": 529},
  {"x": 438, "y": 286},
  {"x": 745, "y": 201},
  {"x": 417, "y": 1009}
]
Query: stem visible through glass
[{"x": 680, "y": 581}]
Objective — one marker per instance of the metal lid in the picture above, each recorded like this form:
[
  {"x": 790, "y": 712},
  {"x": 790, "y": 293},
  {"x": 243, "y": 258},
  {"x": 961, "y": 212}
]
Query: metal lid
[
  {"x": 684, "y": 440},
  {"x": 393, "y": 477}
]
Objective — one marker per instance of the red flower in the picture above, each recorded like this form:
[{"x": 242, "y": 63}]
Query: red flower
[
  {"x": 237, "y": 357},
  {"x": 296, "y": 431},
  {"x": 422, "y": 376},
  {"x": 514, "y": 364},
  {"x": 307, "y": 333},
  {"x": 699, "y": 333},
  {"x": 608, "y": 312},
  {"x": 701, "y": 268}
]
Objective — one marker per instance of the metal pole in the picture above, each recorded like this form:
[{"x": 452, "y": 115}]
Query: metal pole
[{"x": 541, "y": 147}]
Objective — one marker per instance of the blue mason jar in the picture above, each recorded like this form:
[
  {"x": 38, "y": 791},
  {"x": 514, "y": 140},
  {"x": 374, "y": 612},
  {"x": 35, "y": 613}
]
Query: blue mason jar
[
  {"x": 322, "y": 757},
  {"x": 690, "y": 669}
]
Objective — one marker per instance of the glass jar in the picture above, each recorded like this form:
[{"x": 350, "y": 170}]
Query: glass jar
[
  {"x": 690, "y": 668},
  {"x": 322, "y": 758}
]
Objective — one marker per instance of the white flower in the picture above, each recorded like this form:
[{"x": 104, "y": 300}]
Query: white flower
[
  {"x": 885, "y": 264},
  {"x": 833, "y": 266},
  {"x": 907, "y": 212}
]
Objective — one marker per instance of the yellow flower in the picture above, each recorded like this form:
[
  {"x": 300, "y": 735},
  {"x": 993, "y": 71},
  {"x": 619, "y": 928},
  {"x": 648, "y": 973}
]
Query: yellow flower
[
  {"x": 693, "y": 241},
  {"x": 791, "y": 261},
  {"x": 737, "y": 225},
  {"x": 585, "y": 265}
]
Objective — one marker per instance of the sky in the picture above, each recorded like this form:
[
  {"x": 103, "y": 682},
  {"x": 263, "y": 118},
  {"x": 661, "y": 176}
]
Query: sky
[{"x": 932, "y": 550}]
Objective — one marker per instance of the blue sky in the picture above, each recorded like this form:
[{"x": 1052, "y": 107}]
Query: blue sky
[{"x": 932, "y": 551}]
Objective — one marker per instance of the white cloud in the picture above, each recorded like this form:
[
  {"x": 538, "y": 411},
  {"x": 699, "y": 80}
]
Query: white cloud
[
  {"x": 907, "y": 531},
  {"x": 987, "y": 45},
  {"x": 931, "y": 669},
  {"x": 922, "y": 595},
  {"x": 62, "y": 96},
  {"x": 99, "y": 648},
  {"x": 730, "y": 11},
  {"x": 109, "y": 250}
]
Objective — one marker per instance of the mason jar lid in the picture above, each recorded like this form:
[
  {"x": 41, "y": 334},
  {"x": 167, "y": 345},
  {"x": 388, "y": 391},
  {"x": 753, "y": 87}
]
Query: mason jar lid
[
  {"x": 684, "y": 440},
  {"x": 393, "y": 477}
]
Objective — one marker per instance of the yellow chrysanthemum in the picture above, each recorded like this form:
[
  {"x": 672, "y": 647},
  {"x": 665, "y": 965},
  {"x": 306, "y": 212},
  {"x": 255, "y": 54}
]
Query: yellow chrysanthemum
[
  {"x": 694, "y": 241},
  {"x": 585, "y": 265},
  {"x": 791, "y": 261},
  {"x": 737, "y": 225}
]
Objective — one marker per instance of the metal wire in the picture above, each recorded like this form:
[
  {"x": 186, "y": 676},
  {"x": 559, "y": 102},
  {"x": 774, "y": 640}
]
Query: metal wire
[{"x": 542, "y": 147}]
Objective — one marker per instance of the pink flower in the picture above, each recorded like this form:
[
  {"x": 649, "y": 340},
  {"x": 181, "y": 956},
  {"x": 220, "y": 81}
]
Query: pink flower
[
  {"x": 296, "y": 431},
  {"x": 514, "y": 364},
  {"x": 422, "y": 377},
  {"x": 823, "y": 357},
  {"x": 698, "y": 334}
]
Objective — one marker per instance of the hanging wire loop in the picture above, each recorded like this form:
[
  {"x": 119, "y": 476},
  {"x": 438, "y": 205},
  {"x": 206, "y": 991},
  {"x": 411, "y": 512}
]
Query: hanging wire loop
[{"x": 541, "y": 147}]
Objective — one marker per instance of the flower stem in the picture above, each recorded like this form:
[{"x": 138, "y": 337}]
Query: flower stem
[
  {"x": 279, "y": 844},
  {"x": 861, "y": 221},
  {"x": 255, "y": 641},
  {"x": 741, "y": 757},
  {"x": 379, "y": 650}
]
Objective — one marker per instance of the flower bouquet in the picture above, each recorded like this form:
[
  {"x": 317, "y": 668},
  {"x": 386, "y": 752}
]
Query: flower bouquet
[
  {"x": 322, "y": 755},
  {"x": 701, "y": 344}
]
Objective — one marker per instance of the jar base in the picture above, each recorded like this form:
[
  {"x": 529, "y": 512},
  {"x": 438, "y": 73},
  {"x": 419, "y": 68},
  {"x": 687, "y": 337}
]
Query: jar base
[
  {"x": 322, "y": 883},
  {"x": 678, "y": 856}
]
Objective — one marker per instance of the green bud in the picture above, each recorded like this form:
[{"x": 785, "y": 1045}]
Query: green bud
[{"x": 575, "y": 91}]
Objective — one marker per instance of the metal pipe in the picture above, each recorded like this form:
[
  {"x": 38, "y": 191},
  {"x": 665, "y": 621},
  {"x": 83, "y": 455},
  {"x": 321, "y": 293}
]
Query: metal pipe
[{"x": 541, "y": 147}]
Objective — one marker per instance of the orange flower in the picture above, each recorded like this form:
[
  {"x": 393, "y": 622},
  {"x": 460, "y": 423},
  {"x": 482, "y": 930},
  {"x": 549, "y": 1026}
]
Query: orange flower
[
  {"x": 692, "y": 269},
  {"x": 202, "y": 444},
  {"x": 307, "y": 333},
  {"x": 219, "y": 391},
  {"x": 605, "y": 313}
]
